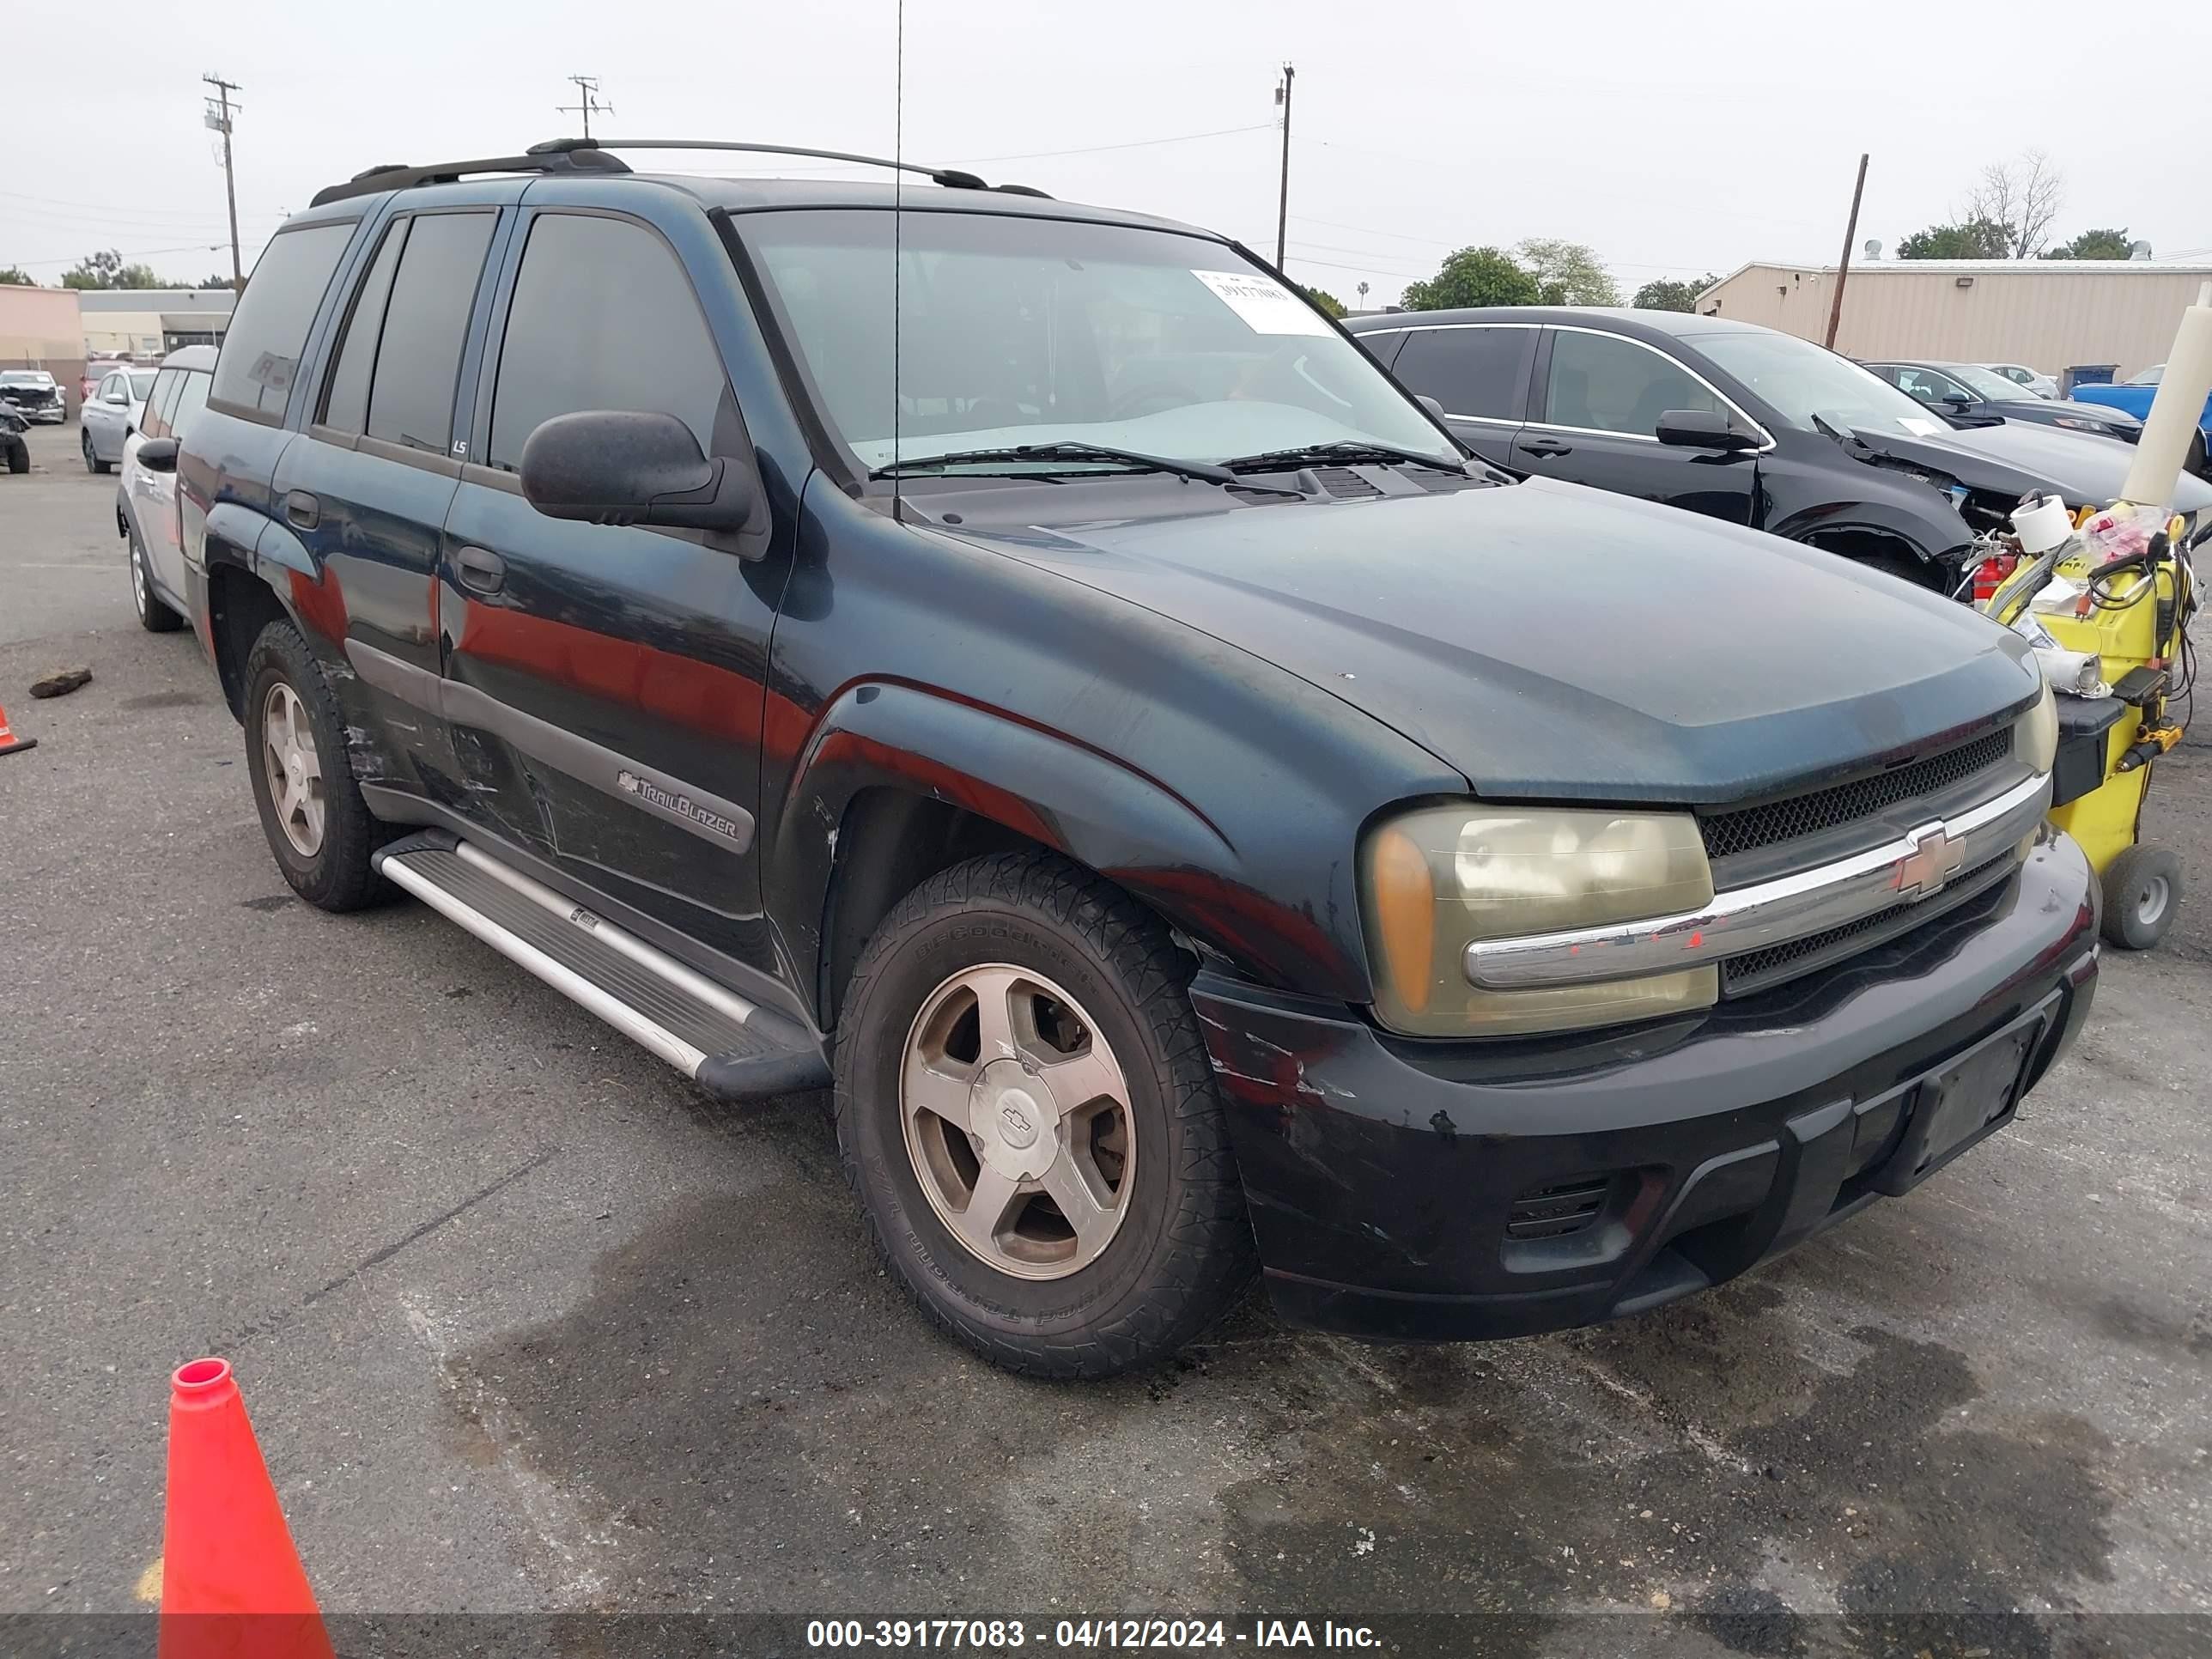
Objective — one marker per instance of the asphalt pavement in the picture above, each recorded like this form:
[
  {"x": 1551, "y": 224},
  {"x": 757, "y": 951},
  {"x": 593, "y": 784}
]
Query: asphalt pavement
[{"x": 526, "y": 1322}]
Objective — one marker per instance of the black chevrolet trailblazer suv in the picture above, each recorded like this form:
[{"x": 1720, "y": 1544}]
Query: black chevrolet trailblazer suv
[{"x": 1022, "y": 664}]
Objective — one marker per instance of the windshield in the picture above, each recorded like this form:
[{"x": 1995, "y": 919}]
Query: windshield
[
  {"x": 1016, "y": 330},
  {"x": 25, "y": 377},
  {"x": 1800, "y": 380},
  {"x": 141, "y": 386},
  {"x": 1985, "y": 383}
]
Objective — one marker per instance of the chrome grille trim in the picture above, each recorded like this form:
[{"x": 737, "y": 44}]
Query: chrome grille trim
[{"x": 1791, "y": 907}]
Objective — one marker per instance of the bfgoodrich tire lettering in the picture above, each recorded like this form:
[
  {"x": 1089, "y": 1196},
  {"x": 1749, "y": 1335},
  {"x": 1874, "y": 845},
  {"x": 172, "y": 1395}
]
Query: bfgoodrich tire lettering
[
  {"x": 281, "y": 673},
  {"x": 1181, "y": 1250}
]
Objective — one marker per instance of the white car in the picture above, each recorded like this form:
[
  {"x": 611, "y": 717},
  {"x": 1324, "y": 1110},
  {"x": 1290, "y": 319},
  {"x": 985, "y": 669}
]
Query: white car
[
  {"x": 146, "y": 500},
  {"x": 2020, "y": 374},
  {"x": 112, "y": 414}
]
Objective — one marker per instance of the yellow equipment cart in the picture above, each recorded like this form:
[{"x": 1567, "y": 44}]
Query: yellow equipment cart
[{"x": 2134, "y": 614}]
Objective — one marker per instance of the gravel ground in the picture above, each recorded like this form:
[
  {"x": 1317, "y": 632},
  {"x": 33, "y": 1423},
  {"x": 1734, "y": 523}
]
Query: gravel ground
[{"x": 526, "y": 1322}]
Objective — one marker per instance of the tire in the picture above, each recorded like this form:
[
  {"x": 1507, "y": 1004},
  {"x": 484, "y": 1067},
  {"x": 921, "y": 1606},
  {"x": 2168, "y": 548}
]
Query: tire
[
  {"x": 2142, "y": 892},
  {"x": 92, "y": 461},
  {"x": 19, "y": 457},
  {"x": 154, "y": 617},
  {"x": 324, "y": 854},
  {"x": 1178, "y": 1250}
]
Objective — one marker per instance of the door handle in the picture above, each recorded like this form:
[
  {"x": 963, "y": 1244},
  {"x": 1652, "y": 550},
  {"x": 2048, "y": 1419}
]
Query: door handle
[
  {"x": 1546, "y": 446},
  {"x": 302, "y": 509},
  {"x": 481, "y": 571}
]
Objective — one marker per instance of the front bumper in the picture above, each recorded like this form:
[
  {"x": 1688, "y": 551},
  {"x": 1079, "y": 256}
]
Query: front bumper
[{"x": 1425, "y": 1190}]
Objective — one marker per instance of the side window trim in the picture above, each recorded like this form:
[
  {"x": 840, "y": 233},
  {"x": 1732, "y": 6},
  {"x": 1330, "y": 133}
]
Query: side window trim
[
  {"x": 1506, "y": 421},
  {"x": 458, "y": 412},
  {"x": 334, "y": 348},
  {"x": 1766, "y": 438}
]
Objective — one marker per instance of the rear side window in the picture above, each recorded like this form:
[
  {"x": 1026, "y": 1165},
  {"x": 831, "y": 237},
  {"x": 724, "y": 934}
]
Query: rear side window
[
  {"x": 602, "y": 317},
  {"x": 345, "y": 406},
  {"x": 410, "y": 398},
  {"x": 261, "y": 352},
  {"x": 155, "y": 422},
  {"x": 191, "y": 397},
  {"x": 1478, "y": 372},
  {"x": 1603, "y": 383}
]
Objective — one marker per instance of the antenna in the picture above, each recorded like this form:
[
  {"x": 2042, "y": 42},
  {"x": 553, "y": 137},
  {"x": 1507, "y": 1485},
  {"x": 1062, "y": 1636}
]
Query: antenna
[
  {"x": 587, "y": 102},
  {"x": 898, "y": 241}
]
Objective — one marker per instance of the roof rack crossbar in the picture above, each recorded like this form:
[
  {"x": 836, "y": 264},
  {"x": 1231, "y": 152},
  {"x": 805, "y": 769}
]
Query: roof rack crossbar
[
  {"x": 400, "y": 176},
  {"x": 950, "y": 177}
]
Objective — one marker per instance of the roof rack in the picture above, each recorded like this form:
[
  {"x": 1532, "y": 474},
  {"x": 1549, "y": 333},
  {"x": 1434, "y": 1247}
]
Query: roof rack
[
  {"x": 950, "y": 178},
  {"x": 400, "y": 176}
]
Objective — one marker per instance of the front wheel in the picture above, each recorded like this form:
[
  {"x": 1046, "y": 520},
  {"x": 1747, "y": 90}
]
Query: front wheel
[
  {"x": 154, "y": 617},
  {"x": 1027, "y": 1113}
]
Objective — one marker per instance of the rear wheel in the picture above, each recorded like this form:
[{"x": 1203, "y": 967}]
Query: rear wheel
[
  {"x": 154, "y": 617},
  {"x": 312, "y": 811},
  {"x": 2143, "y": 891},
  {"x": 19, "y": 456},
  {"x": 1027, "y": 1113},
  {"x": 92, "y": 461}
]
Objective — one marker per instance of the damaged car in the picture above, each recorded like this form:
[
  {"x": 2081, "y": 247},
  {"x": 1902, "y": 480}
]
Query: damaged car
[{"x": 1738, "y": 423}]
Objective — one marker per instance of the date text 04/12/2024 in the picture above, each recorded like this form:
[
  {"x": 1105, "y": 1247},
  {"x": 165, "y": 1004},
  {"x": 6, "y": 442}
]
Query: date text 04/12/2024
[{"x": 1085, "y": 1635}]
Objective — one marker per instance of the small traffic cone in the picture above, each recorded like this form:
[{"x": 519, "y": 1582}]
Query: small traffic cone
[
  {"x": 231, "y": 1585},
  {"x": 10, "y": 743}
]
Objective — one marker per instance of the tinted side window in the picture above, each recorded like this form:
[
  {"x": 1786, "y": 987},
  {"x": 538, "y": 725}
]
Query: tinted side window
[
  {"x": 154, "y": 423},
  {"x": 346, "y": 406},
  {"x": 602, "y": 317},
  {"x": 191, "y": 399},
  {"x": 1470, "y": 370},
  {"x": 1603, "y": 383},
  {"x": 411, "y": 400},
  {"x": 261, "y": 352}
]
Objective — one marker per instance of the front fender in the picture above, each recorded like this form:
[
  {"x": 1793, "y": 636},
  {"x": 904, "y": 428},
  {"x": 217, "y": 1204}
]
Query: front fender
[{"x": 1095, "y": 808}]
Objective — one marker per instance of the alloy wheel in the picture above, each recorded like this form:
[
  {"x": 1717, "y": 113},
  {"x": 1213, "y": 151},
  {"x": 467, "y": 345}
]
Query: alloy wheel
[
  {"x": 1017, "y": 1117},
  {"x": 293, "y": 768}
]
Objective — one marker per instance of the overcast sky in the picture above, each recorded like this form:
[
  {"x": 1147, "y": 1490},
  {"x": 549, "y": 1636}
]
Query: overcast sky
[{"x": 1672, "y": 139}]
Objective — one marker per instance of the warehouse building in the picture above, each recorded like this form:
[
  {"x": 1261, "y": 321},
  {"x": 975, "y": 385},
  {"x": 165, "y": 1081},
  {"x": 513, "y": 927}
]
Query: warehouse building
[
  {"x": 149, "y": 322},
  {"x": 42, "y": 328},
  {"x": 2116, "y": 316}
]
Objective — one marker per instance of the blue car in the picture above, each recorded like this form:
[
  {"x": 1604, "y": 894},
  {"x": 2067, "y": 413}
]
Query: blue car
[{"x": 2135, "y": 395}]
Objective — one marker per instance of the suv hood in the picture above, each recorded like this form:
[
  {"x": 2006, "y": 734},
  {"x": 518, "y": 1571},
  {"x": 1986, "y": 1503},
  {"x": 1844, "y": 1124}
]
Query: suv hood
[
  {"x": 2012, "y": 458},
  {"x": 1555, "y": 643}
]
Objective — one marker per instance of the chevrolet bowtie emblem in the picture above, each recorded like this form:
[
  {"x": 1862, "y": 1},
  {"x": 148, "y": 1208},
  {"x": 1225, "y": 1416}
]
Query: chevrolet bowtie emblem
[{"x": 1933, "y": 859}]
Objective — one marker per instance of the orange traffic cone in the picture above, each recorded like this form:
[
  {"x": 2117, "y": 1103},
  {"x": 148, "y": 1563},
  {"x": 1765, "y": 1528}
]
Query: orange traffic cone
[
  {"x": 231, "y": 1585},
  {"x": 10, "y": 743}
]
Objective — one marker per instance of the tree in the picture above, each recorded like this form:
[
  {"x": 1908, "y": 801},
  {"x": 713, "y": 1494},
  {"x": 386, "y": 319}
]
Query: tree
[
  {"x": 1324, "y": 299},
  {"x": 2095, "y": 245},
  {"x": 1665, "y": 294},
  {"x": 1474, "y": 277},
  {"x": 106, "y": 268},
  {"x": 1567, "y": 273},
  {"x": 17, "y": 276},
  {"x": 218, "y": 280},
  {"x": 2021, "y": 198},
  {"x": 1970, "y": 239}
]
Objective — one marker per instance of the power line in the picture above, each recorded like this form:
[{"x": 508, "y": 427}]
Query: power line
[
  {"x": 140, "y": 254},
  {"x": 1024, "y": 155}
]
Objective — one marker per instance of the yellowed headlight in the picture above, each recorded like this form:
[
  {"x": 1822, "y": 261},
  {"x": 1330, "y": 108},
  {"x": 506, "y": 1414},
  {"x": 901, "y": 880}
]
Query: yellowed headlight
[
  {"x": 1436, "y": 880},
  {"x": 2035, "y": 739}
]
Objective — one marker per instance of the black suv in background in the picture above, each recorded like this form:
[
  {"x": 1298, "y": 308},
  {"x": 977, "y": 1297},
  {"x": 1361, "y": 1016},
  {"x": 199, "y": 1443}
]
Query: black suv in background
[
  {"x": 1020, "y": 662},
  {"x": 1739, "y": 422}
]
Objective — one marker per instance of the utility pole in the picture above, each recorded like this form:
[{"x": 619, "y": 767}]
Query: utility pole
[
  {"x": 218, "y": 117},
  {"x": 1843, "y": 265},
  {"x": 1283, "y": 201},
  {"x": 587, "y": 102}
]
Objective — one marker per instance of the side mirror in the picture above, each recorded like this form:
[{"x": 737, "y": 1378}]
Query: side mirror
[
  {"x": 1430, "y": 404},
  {"x": 1959, "y": 403},
  {"x": 158, "y": 454},
  {"x": 1701, "y": 428},
  {"x": 122, "y": 400},
  {"x": 614, "y": 466}
]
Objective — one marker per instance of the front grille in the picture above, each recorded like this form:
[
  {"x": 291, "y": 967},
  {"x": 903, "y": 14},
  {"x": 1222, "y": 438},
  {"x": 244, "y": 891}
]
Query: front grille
[
  {"x": 1747, "y": 829},
  {"x": 1556, "y": 1212},
  {"x": 1756, "y": 970}
]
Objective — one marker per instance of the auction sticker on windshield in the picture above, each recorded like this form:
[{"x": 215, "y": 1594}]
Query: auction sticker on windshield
[{"x": 1265, "y": 306}]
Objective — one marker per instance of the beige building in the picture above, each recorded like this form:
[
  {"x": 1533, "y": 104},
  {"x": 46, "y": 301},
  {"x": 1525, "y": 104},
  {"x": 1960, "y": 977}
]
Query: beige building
[
  {"x": 149, "y": 322},
  {"x": 2049, "y": 314},
  {"x": 43, "y": 328}
]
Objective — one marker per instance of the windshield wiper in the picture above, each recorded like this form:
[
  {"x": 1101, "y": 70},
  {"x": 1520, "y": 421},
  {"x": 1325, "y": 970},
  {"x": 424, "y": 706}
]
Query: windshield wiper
[
  {"x": 1340, "y": 451},
  {"x": 1206, "y": 472}
]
